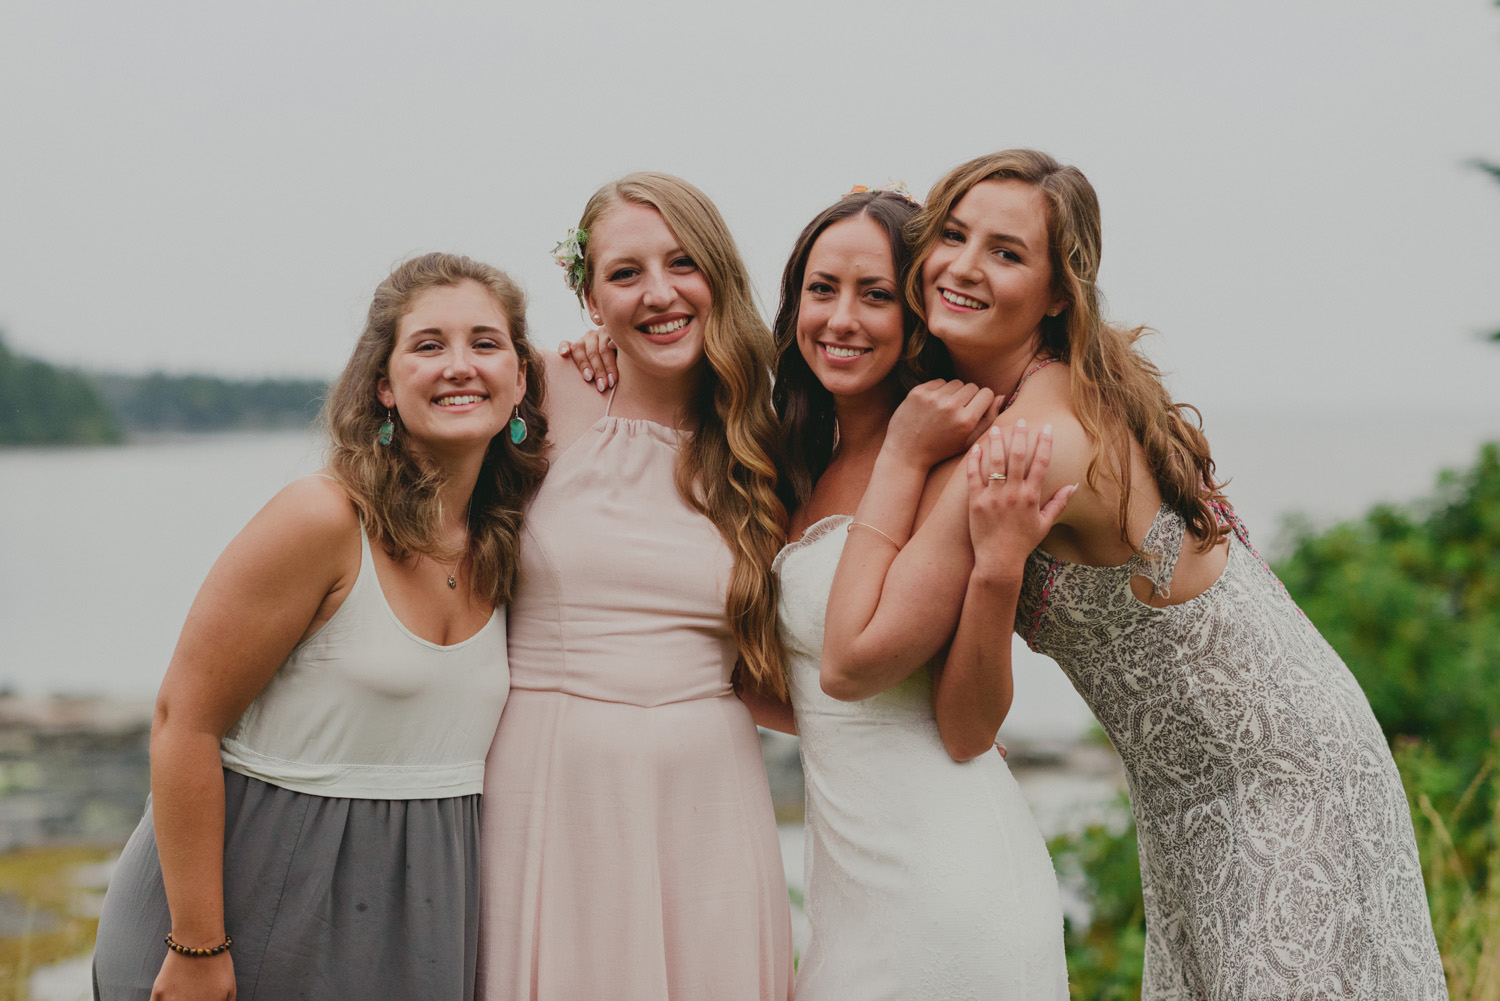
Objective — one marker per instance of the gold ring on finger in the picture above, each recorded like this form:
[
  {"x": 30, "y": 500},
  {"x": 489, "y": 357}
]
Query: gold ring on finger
[{"x": 997, "y": 477}]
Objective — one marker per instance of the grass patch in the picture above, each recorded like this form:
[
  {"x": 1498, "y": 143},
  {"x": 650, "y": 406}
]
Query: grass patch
[{"x": 41, "y": 899}]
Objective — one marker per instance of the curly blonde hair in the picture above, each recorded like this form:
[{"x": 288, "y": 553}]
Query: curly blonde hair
[
  {"x": 1116, "y": 390},
  {"x": 396, "y": 496},
  {"x": 725, "y": 470}
]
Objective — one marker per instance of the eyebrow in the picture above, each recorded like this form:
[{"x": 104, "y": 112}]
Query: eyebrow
[
  {"x": 871, "y": 280},
  {"x": 482, "y": 328},
  {"x": 992, "y": 237}
]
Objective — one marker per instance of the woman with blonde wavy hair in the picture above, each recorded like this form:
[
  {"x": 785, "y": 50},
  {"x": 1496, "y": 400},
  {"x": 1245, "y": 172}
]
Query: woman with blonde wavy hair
[
  {"x": 319, "y": 739},
  {"x": 631, "y": 850},
  {"x": 1277, "y": 853}
]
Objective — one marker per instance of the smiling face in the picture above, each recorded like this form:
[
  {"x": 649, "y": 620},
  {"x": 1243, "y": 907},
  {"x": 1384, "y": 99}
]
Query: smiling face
[
  {"x": 650, "y": 294},
  {"x": 988, "y": 281},
  {"x": 850, "y": 316},
  {"x": 453, "y": 374}
]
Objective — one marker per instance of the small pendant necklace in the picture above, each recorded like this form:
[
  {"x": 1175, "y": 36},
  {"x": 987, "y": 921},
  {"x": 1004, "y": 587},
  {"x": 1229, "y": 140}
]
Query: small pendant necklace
[{"x": 453, "y": 574}]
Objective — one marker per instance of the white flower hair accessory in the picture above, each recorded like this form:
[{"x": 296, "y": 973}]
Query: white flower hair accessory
[{"x": 569, "y": 256}]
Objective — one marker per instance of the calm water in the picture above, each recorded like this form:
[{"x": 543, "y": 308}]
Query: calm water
[{"x": 102, "y": 550}]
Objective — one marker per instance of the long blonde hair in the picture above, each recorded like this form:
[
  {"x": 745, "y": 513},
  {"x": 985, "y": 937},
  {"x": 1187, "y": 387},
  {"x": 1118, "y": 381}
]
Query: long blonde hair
[
  {"x": 396, "y": 495},
  {"x": 725, "y": 470},
  {"x": 1116, "y": 390}
]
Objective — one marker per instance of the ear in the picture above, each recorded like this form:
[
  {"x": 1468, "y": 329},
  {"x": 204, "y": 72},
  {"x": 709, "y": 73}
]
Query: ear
[
  {"x": 591, "y": 308},
  {"x": 383, "y": 393},
  {"x": 1058, "y": 305},
  {"x": 520, "y": 381}
]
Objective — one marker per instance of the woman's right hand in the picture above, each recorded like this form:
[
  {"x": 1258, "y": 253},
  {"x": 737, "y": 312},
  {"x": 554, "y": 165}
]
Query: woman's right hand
[
  {"x": 195, "y": 978},
  {"x": 594, "y": 354},
  {"x": 939, "y": 419}
]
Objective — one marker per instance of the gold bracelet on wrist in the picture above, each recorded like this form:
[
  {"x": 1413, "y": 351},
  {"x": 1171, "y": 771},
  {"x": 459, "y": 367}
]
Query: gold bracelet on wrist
[{"x": 859, "y": 524}]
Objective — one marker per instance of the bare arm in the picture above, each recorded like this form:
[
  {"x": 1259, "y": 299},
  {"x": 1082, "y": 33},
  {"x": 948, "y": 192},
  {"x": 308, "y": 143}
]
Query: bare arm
[
  {"x": 770, "y": 712},
  {"x": 262, "y": 595},
  {"x": 1006, "y": 520},
  {"x": 896, "y": 596}
]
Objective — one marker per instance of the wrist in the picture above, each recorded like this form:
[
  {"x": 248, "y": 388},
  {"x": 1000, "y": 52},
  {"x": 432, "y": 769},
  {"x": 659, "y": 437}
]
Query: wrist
[
  {"x": 999, "y": 575},
  {"x": 894, "y": 460}
]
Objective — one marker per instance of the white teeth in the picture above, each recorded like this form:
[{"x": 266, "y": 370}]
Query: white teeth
[
  {"x": 666, "y": 328},
  {"x": 963, "y": 300},
  {"x": 843, "y": 352},
  {"x": 458, "y": 401}
]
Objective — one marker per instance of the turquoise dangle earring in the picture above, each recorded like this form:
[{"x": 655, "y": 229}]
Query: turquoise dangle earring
[
  {"x": 383, "y": 436},
  {"x": 517, "y": 428}
]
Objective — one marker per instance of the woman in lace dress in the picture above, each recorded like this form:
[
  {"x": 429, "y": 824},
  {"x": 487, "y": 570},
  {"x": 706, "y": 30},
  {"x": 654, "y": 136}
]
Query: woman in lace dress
[{"x": 1277, "y": 853}]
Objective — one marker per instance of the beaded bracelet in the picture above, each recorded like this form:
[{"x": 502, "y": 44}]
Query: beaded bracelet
[{"x": 183, "y": 950}]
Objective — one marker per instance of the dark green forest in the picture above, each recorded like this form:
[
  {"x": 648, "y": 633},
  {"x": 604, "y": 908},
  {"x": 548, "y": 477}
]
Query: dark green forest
[{"x": 45, "y": 404}]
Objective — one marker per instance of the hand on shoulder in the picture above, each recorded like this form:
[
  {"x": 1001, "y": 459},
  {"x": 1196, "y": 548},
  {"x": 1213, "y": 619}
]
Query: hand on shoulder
[{"x": 938, "y": 419}]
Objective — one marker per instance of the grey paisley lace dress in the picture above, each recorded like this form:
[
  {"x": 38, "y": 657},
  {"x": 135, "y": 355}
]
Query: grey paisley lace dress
[{"x": 1277, "y": 853}]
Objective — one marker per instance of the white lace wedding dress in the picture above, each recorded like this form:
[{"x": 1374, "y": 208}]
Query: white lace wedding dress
[{"x": 925, "y": 878}]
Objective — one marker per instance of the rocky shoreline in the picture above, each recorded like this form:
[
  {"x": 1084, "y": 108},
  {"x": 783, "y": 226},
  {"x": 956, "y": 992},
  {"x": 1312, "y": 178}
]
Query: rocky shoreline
[{"x": 72, "y": 770}]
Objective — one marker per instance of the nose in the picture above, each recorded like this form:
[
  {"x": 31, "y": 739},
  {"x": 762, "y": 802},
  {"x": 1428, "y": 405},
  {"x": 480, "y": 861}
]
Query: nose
[
  {"x": 460, "y": 364},
  {"x": 657, "y": 292},
  {"x": 966, "y": 264},
  {"x": 843, "y": 320}
]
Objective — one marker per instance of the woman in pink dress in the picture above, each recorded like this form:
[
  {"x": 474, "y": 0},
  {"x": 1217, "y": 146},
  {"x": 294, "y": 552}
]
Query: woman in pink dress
[{"x": 630, "y": 846}]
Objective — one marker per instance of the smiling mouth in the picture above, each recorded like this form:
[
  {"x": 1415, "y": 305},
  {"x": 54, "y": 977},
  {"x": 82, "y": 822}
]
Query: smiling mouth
[
  {"x": 843, "y": 350},
  {"x": 669, "y": 327},
  {"x": 458, "y": 401},
  {"x": 963, "y": 301}
]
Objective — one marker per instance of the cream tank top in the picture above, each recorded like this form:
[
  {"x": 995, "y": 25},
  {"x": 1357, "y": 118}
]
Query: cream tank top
[{"x": 366, "y": 709}]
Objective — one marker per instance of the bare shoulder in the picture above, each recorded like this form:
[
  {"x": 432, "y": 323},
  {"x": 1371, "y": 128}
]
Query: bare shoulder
[
  {"x": 310, "y": 521},
  {"x": 1047, "y": 398},
  {"x": 572, "y": 404}
]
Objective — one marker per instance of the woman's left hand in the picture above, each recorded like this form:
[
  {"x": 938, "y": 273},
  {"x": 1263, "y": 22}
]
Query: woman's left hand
[{"x": 1006, "y": 517}]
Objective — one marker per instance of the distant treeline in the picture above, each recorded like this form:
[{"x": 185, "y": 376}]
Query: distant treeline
[
  {"x": 160, "y": 402},
  {"x": 41, "y": 404},
  {"x": 44, "y": 404}
]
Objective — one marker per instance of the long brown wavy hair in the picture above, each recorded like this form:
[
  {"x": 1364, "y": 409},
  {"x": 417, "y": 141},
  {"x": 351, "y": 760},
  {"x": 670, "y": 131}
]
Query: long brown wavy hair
[
  {"x": 805, "y": 409},
  {"x": 725, "y": 470},
  {"x": 396, "y": 495},
  {"x": 1116, "y": 390}
]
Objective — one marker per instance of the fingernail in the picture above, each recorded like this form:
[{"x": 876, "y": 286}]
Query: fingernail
[
  {"x": 601, "y": 385},
  {"x": 995, "y": 431},
  {"x": 1021, "y": 423},
  {"x": 1046, "y": 429},
  {"x": 588, "y": 374},
  {"x": 611, "y": 380},
  {"x": 975, "y": 449}
]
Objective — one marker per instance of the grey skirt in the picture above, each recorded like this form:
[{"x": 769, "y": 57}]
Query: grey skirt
[{"x": 326, "y": 898}]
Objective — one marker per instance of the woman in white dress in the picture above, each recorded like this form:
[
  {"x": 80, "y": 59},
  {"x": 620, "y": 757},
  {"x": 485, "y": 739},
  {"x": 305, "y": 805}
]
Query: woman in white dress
[{"x": 925, "y": 875}]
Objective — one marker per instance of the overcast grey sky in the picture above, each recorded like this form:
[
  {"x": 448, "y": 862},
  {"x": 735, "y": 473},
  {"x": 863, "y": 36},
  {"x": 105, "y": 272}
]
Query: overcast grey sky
[{"x": 218, "y": 187}]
